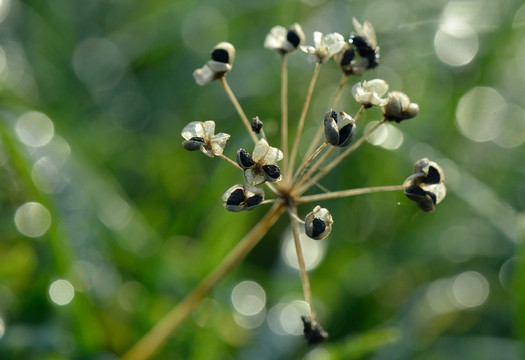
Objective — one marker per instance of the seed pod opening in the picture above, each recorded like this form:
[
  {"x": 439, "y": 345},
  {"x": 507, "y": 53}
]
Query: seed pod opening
[{"x": 318, "y": 223}]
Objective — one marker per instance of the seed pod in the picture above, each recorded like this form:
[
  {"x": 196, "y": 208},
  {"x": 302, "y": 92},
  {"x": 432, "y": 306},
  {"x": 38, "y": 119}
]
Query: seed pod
[
  {"x": 244, "y": 159},
  {"x": 339, "y": 129},
  {"x": 426, "y": 186},
  {"x": 399, "y": 107},
  {"x": 313, "y": 332},
  {"x": 256, "y": 125},
  {"x": 318, "y": 223},
  {"x": 242, "y": 197}
]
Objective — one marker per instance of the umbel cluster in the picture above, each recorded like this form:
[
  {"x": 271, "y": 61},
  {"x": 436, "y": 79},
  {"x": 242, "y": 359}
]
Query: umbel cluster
[{"x": 292, "y": 182}]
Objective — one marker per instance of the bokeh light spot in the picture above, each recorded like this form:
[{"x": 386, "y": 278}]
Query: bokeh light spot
[
  {"x": 99, "y": 63},
  {"x": 470, "y": 289},
  {"x": 61, "y": 292},
  {"x": 2, "y": 328},
  {"x": 34, "y": 129},
  {"x": 313, "y": 250},
  {"x": 387, "y": 136},
  {"x": 481, "y": 113},
  {"x": 32, "y": 219},
  {"x": 456, "y": 43},
  {"x": 248, "y": 298},
  {"x": 5, "y": 5}
]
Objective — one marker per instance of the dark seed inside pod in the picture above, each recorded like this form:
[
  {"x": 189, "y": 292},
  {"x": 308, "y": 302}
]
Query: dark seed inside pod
[
  {"x": 193, "y": 144},
  {"x": 433, "y": 176},
  {"x": 256, "y": 125},
  {"x": 272, "y": 171},
  {"x": 318, "y": 228},
  {"x": 244, "y": 159},
  {"x": 346, "y": 135},
  {"x": 432, "y": 196},
  {"x": 415, "y": 193},
  {"x": 293, "y": 38},
  {"x": 348, "y": 56},
  {"x": 236, "y": 197},
  {"x": 254, "y": 200},
  {"x": 220, "y": 55}
]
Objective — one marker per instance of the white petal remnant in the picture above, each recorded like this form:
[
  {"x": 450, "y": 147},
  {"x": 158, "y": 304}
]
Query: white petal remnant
[
  {"x": 426, "y": 186},
  {"x": 324, "y": 47},
  {"x": 284, "y": 41},
  {"x": 242, "y": 197},
  {"x": 261, "y": 165},
  {"x": 399, "y": 107},
  {"x": 221, "y": 62},
  {"x": 200, "y": 136},
  {"x": 369, "y": 93},
  {"x": 318, "y": 223}
]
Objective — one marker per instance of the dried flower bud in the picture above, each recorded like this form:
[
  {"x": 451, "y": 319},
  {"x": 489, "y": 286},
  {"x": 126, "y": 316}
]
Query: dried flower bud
[
  {"x": 313, "y": 333},
  {"x": 339, "y": 129},
  {"x": 369, "y": 93},
  {"x": 284, "y": 41},
  {"x": 200, "y": 136},
  {"x": 242, "y": 197},
  {"x": 426, "y": 186},
  {"x": 256, "y": 125},
  {"x": 222, "y": 57},
  {"x": 399, "y": 107},
  {"x": 318, "y": 223}
]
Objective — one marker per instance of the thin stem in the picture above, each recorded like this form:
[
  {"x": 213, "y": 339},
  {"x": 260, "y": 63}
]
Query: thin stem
[
  {"x": 284, "y": 111},
  {"x": 302, "y": 118},
  {"x": 292, "y": 210},
  {"x": 338, "y": 159},
  {"x": 305, "y": 165},
  {"x": 347, "y": 193},
  {"x": 319, "y": 134},
  {"x": 222, "y": 156},
  {"x": 153, "y": 341},
  {"x": 238, "y": 107}
]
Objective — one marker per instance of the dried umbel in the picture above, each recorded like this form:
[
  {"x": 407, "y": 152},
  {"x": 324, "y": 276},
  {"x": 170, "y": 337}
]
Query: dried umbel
[
  {"x": 292, "y": 185},
  {"x": 426, "y": 186}
]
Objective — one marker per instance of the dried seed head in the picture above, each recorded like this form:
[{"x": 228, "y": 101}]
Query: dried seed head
[
  {"x": 399, "y": 107},
  {"x": 264, "y": 168},
  {"x": 283, "y": 40},
  {"x": 244, "y": 159},
  {"x": 426, "y": 186},
  {"x": 339, "y": 129},
  {"x": 318, "y": 223},
  {"x": 222, "y": 56},
  {"x": 313, "y": 332},
  {"x": 369, "y": 93},
  {"x": 200, "y": 136},
  {"x": 365, "y": 42},
  {"x": 325, "y": 47},
  {"x": 242, "y": 197}
]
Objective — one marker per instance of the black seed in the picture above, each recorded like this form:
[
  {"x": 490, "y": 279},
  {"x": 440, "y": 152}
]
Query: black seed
[
  {"x": 193, "y": 144},
  {"x": 432, "y": 196},
  {"x": 348, "y": 56},
  {"x": 220, "y": 55},
  {"x": 199, "y": 139},
  {"x": 236, "y": 197},
  {"x": 427, "y": 204},
  {"x": 346, "y": 135},
  {"x": 272, "y": 171},
  {"x": 254, "y": 201},
  {"x": 415, "y": 193},
  {"x": 244, "y": 159},
  {"x": 334, "y": 115},
  {"x": 313, "y": 334},
  {"x": 293, "y": 38},
  {"x": 433, "y": 176},
  {"x": 319, "y": 228}
]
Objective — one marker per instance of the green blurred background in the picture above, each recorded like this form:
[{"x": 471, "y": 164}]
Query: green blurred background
[{"x": 106, "y": 222}]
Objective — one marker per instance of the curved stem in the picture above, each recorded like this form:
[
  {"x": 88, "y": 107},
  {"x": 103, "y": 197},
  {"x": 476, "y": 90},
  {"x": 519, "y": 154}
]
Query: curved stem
[
  {"x": 222, "y": 156},
  {"x": 238, "y": 107},
  {"x": 153, "y": 341},
  {"x": 347, "y": 193},
  {"x": 302, "y": 118}
]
